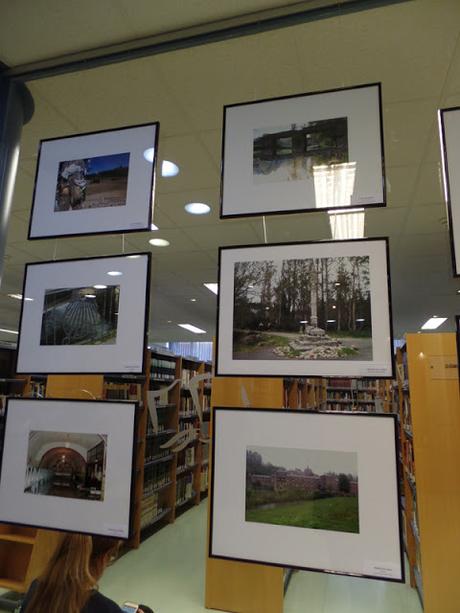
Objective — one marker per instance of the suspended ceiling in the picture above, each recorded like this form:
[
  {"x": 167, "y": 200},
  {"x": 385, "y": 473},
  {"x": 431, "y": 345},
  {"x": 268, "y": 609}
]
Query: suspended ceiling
[{"x": 411, "y": 47}]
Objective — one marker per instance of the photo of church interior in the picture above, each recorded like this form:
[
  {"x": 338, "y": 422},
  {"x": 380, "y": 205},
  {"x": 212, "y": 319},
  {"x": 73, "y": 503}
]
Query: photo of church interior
[{"x": 68, "y": 465}]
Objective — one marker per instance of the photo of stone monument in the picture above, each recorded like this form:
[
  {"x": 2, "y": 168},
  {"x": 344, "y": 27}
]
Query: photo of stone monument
[{"x": 302, "y": 309}]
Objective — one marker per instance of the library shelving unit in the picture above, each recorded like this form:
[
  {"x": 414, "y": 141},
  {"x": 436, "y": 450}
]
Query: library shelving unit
[
  {"x": 432, "y": 362},
  {"x": 407, "y": 472},
  {"x": 174, "y": 481},
  {"x": 304, "y": 393},
  {"x": 361, "y": 395}
]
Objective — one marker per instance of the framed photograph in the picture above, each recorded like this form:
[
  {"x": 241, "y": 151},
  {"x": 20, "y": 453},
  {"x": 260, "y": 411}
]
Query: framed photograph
[
  {"x": 85, "y": 316},
  {"x": 68, "y": 465},
  {"x": 95, "y": 183},
  {"x": 449, "y": 128},
  {"x": 320, "y": 150},
  {"x": 305, "y": 309},
  {"x": 307, "y": 490}
]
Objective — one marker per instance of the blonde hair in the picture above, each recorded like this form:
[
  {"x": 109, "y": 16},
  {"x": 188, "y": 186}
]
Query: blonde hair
[{"x": 72, "y": 574}]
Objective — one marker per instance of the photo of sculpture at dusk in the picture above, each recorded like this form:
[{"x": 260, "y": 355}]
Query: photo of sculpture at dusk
[
  {"x": 292, "y": 152},
  {"x": 304, "y": 488},
  {"x": 92, "y": 183},
  {"x": 308, "y": 309}
]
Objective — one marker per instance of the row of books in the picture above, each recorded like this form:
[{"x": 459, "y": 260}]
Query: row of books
[
  {"x": 123, "y": 391},
  {"x": 188, "y": 374},
  {"x": 184, "y": 489},
  {"x": 155, "y": 476}
]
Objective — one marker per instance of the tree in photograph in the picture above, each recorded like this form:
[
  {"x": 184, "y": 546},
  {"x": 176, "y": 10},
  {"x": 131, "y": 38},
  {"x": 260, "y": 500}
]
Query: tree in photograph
[{"x": 291, "y": 303}]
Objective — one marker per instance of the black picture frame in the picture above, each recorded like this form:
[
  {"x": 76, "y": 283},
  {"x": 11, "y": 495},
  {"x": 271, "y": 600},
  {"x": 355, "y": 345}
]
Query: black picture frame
[
  {"x": 133, "y": 472},
  {"x": 285, "y": 412},
  {"x": 246, "y": 196},
  {"x": 144, "y": 202},
  {"x": 246, "y": 369},
  {"x": 140, "y": 370},
  {"x": 451, "y": 188}
]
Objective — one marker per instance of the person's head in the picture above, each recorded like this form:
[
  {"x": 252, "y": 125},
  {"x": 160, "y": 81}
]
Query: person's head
[{"x": 72, "y": 572}]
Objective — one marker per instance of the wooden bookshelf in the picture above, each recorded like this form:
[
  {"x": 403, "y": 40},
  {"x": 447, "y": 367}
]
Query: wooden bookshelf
[
  {"x": 407, "y": 470},
  {"x": 174, "y": 482},
  {"x": 434, "y": 433}
]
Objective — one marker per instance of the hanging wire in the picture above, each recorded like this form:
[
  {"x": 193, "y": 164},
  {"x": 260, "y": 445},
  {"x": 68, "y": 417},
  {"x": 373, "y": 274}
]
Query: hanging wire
[{"x": 264, "y": 226}]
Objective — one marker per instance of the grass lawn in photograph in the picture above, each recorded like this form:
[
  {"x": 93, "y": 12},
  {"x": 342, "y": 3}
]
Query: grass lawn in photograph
[{"x": 339, "y": 513}]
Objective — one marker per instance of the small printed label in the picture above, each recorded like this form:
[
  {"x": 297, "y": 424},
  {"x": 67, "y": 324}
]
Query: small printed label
[
  {"x": 115, "y": 530},
  {"x": 376, "y": 371},
  {"x": 381, "y": 569},
  {"x": 132, "y": 367}
]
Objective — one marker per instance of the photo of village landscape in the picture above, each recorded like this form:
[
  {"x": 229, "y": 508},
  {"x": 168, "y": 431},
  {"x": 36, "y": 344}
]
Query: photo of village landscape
[
  {"x": 80, "y": 316},
  {"x": 290, "y": 152},
  {"x": 302, "y": 309},
  {"x": 304, "y": 488},
  {"x": 67, "y": 465},
  {"x": 92, "y": 183}
]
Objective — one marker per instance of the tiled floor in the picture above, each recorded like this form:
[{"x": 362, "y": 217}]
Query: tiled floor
[{"x": 167, "y": 573}]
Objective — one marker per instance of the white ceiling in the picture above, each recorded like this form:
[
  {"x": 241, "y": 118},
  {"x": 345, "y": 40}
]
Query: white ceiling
[{"x": 412, "y": 48}]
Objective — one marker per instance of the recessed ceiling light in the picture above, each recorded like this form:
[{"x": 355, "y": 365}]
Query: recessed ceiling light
[
  {"x": 149, "y": 154},
  {"x": 212, "y": 287},
  {"x": 135, "y": 256},
  {"x": 197, "y": 208},
  {"x": 304, "y": 321},
  {"x": 100, "y": 286},
  {"x": 361, "y": 319},
  {"x": 159, "y": 242},
  {"x": 192, "y": 299},
  {"x": 169, "y": 169},
  {"x": 192, "y": 328},
  {"x": 9, "y": 331},
  {"x": 458, "y": 291},
  {"x": 331, "y": 321},
  {"x": 169, "y": 321},
  {"x": 153, "y": 227},
  {"x": 333, "y": 306},
  {"x": 90, "y": 295},
  {"x": 115, "y": 273},
  {"x": 433, "y": 323}
]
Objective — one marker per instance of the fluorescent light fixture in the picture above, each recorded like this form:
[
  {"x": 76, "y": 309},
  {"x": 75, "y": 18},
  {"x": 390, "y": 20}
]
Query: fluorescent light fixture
[
  {"x": 191, "y": 328},
  {"x": 330, "y": 321},
  {"x": 212, "y": 287},
  {"x": 169, "y": 169},
  {"x": 90, "y": 295},
  {"x": 333, "y": 306},
  {"x": 149, "y": 154},
  {"x": 197, "y": 208},
  {"x": 334, "y": 184},
  {"x": 433, "y": 323},
  {"x": 159, "y": 242},
  {"x": 153, "y": 227},
  {"x": 19, "y": 297},
  {"x": 134, "y": 256},
  {"x": 100, "y": 286},
  {"x": 192, "y": 299},
  {"x": 361, "y": 319},
  {"x": 9, "y": 331},
  {"x": 347, "y": 223},
  {"x": 114, "y": 273},
  {"x": 304, "y": 321}
]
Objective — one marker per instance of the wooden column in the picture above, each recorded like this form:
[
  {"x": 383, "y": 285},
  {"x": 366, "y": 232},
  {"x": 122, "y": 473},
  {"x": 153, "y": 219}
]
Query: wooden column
[
  {"x": 435, "y": 400},
  {"x": 236, "y": 586}
]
